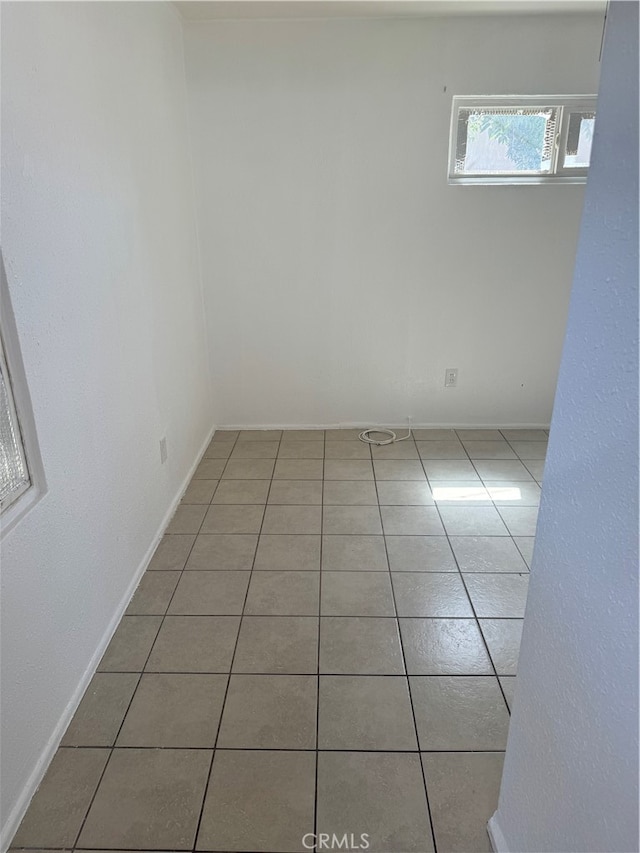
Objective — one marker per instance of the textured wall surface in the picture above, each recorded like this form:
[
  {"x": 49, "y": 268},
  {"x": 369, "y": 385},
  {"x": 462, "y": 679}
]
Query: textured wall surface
[
  {"x": 342, "y": 274},
  {"x": 571, "y": 772},
  {"x": 98, "y": 238}
]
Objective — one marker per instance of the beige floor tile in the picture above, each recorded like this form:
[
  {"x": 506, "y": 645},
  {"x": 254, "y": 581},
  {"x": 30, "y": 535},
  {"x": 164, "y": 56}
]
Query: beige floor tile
[
  {"x": 347, "y": 450},
  {"x": 487, "y": 554},
  {"x": 524, "y": 434},
  {"x": 472, "y": 521},
  {"x": 148, "y": 799},
  {"x": 525, "y": 546},
  {"x": 352, "y": 553},
  {"x": 502, "y": 637},
  {"x": 342, "y": 434},
  {"x": 153, "y": 594},
  {"x": 356, "y": 594},
  {"x": 455, "y": 712},
  {"x": 255, "y": 450},
  {"x": 233, "y": 519},
  {"x": 292, "y": 519},
  {"x": 404, "y": 493},
  {"x": 223, "y": 552},
  {"x": 174, "y": 710},
  {"x": 463, "y": 794},
  {"x": 301, "y": 450},
  {"x": 270, "y": 712},
  {"x": 282, "y": 552},
  {"x": 365, "y": 712},
  {"x": 380, "y": 793},
  {"x": 444, "y": 647},
  {"x": 508, "y": 683},
  {"x": 398, "y": 469},
  {"x": 298, "y": 469},
  {"x": 347, "y": 493},
  {"x": 530, "y": 449},
  {"x": 450, "y": 449},
  {"x": 210, "y": 469},
  {"x": 360, "y": 646},
  {"x": 102, "y": 710},
  {"x": 283, "y": 594},
  {"x": 194, "y": 644},
  {"x": 498, "y": 596},
  {"x": 259, "y": 801},
  {"x": 131, "y": 644},
  {"x": 219, "y": 450},
  {"x": 172, "y": 552},
  {"x": 187, "y": 518},
  {"x": 460, "y": 493},
  {"x": 347, "y": 520},
  {"x": 249, "y": 469},
  {"x": 450, "y": 469},
  {"x": 535, "y": 467},
  {"x": 60, "y": 804},
  {"x": 430, "y": 594},
  {"x": 420, "y": 554},
  {"x": 210, "y": 594},
  {"x": 411, "y": 521},
  {"x": 397, "y": 450},
  {"x": 259, "y": 435},
  {"x": 502, "y": 469},
  {"x": 479, "y": 434},
  {"x": 515, "y": 493},
  {"x": 225, "y": 435},
  {"x": 489, "y": 450},
  {"x": 434, "y": 434},
  {"x": 302, "y": 435},
  {"x": 242, "y": 492},
  {"x": 520, "y": 520},
  {"x": 277, "y": 644},
  {"x": 199, "y": 492},
  {"x": 296, "y": 492},
  {"x": 348, "y": 469}
]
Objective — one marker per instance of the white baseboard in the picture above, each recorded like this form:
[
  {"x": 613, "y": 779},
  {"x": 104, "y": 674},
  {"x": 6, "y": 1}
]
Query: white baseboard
[
  {"x": 497, "y": 839},
  {"x": 18, "y": 811},
  {"x": 369, "y": 425}
]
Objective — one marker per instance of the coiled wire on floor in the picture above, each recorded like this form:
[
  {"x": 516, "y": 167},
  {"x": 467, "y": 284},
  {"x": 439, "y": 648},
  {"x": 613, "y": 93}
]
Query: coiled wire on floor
[{"x": 393, "y": 438}]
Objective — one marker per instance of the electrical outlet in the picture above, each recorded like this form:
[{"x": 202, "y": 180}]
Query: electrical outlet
[
  {"x": 451, "y": 377},
  {"x": 163, "y": 450}
]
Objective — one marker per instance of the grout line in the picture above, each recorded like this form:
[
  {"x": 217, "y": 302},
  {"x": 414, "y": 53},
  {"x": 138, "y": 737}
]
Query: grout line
[
  {"x": 277, "y": 749},
  {"x": 235, "y": 648},
  {"x": 315, "y": 790},
  {"x": 142, "y": 671},
  {"x": 406, "y": 672},
  {"x": 314, "y": 672},
  {"x": 461, "y": 574}
]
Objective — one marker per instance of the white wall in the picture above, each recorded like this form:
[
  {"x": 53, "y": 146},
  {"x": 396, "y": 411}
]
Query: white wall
[
  {"x": 571, "y": 772},
  {"x": 98, "y": 237},
  {"x": 342, "y": 274}
]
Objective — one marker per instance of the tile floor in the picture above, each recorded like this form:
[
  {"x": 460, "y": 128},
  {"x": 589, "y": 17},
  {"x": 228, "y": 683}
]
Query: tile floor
[{"x": 325, "y": 641}]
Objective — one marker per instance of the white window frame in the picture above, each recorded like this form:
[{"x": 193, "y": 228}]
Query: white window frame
[
  {"x": 558, "y": 174},
  {"x": 24, "y": 499}
]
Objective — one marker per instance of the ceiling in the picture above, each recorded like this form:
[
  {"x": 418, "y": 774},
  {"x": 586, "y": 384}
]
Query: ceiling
[{"x": 211, "y": 10}]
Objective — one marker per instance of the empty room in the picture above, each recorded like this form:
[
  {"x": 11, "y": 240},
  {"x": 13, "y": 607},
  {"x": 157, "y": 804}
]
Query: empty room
[{"x": 319, "y": 426}]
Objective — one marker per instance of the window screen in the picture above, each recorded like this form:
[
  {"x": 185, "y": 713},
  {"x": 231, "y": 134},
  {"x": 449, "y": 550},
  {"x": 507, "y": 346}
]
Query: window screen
[{"x": 14, "y": 474}]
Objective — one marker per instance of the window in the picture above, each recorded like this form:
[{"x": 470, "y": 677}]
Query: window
[
  {"x": 521, "y": 139},
  {"x": 14, "y": 473},
  {"x": 22, "y": 478}
]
